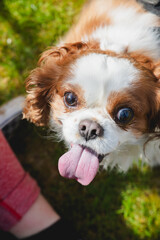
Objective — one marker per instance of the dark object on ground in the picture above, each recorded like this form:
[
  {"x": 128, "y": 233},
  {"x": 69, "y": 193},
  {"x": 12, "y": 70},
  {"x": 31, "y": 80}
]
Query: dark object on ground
[{"x": 151, "y": 6}]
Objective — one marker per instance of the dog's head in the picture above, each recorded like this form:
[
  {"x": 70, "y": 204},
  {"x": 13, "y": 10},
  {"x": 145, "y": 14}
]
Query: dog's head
[{"x": 99, "y": 101}]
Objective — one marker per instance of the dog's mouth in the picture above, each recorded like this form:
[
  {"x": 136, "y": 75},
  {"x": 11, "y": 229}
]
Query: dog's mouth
[
  {"x": 80, "y": 163},
  {"x": 99, "y": 156}
]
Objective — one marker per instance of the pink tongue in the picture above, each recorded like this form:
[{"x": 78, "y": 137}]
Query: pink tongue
[{"x": 79, "y": 163}]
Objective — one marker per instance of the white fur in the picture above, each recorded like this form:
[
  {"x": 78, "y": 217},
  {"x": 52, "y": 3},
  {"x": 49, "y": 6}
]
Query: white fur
[
  {"x": 113, "y": 135},
  {"x": 152, "y": 152},
  {"x": 99, "y": 75},
  {"x": 129, "y": 29},
  {"x": 122, "y": 147}
]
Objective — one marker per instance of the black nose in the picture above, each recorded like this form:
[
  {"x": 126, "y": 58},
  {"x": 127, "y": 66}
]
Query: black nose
[{"x": 90, "y": 129}]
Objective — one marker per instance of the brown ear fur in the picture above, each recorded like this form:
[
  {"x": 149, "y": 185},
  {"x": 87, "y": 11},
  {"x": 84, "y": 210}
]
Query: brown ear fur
[
  {"x": 40, "y": 87},
  {"x": 42, "y": 81},
  {"x": 156, "y": 72},
  {"x": 154, "y": 68},
  {"x": 143, "y": 60}
]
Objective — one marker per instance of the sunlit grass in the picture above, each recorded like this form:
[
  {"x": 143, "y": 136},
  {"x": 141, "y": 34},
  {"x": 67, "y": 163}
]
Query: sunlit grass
[
  {"x": 27, "y": 28},
  {"x": 141, "y": 211}
]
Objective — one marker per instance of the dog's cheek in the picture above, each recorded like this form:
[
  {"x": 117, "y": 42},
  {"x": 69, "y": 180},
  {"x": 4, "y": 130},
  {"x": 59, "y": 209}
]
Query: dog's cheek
[{"x": 57, "y": 110}]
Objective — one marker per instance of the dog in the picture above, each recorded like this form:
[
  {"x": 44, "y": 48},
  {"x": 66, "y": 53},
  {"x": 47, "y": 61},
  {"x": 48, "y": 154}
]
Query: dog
[{"x": 99, "y": 89}]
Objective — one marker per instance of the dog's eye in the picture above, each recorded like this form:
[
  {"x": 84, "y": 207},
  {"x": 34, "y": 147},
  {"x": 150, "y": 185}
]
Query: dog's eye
[
  {"x": 124, "y": 115},
  {"x": 70, "y": 99}
]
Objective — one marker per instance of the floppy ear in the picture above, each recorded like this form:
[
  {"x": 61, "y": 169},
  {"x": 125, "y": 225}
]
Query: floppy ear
[
  {"x": 154, "y": 69},
  {"x": 40, "y": 86},
  {"x": 42, "y": 81},
  {"x": 156, "y": 72}
]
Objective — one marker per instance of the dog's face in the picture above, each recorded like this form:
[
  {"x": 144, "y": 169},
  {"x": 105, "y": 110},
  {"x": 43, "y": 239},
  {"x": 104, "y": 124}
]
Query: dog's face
[{"x": 98, "y": 100}]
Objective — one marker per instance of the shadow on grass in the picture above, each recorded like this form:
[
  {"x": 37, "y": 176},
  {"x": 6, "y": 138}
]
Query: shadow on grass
[{"x": 92, "y": 210}]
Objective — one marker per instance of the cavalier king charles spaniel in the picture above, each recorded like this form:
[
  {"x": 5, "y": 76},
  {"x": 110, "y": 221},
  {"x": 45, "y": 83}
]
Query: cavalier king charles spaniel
[{"x": 99, "y": 89}]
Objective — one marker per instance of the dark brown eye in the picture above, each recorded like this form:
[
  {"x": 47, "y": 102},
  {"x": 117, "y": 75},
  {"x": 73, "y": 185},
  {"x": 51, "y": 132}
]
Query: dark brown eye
[
  {"x": 70, "y": 99},
  {"x": 124, "y": 115}
]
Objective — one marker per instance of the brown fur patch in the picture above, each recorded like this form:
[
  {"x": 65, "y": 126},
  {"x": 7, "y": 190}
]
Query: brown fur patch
[
  {"x": 86, "y": 27},
  {"x": 58, "y": 105},
  {"x": 41, "y": 87},
  {"x": 141, "y": 96},
  {"x": 156, "y": 70}
]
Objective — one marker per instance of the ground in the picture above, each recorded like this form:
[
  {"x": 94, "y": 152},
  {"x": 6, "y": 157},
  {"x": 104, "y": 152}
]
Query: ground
[{"x": 114, "y": 206}]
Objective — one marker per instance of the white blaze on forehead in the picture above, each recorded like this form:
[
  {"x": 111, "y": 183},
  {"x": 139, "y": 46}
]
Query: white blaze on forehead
[{"x": 98, "y": 75}]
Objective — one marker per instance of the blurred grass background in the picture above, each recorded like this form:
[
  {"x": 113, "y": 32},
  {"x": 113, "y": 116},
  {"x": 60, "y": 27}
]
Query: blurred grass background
[
  {"x": 26, "y": 29},
  {"x": 115, "y": 205}
]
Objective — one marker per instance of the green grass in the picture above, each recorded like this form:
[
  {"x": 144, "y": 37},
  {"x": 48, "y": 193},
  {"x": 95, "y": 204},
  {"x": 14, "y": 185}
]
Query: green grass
[
  {"x": 141, "y": 208},
  {"x": 27, "y": 28},
  {"x": 114, "y": 206}
]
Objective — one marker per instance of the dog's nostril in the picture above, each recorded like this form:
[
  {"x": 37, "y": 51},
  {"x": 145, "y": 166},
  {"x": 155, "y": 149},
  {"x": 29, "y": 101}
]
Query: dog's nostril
[
  {"x": 94, "y": 132},
  {"x": 83, "y": 128},
  {"x": 89, "y": 129}
]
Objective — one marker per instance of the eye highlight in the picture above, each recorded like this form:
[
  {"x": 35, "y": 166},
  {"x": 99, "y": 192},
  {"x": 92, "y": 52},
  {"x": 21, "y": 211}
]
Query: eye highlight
[
  {"x": 70, "y": 99},
  {"x": 124, "y": 115}
]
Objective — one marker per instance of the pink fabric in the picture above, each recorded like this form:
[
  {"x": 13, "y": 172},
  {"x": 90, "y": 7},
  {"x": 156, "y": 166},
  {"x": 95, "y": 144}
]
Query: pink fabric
[{"x": 18, "y": 190}]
